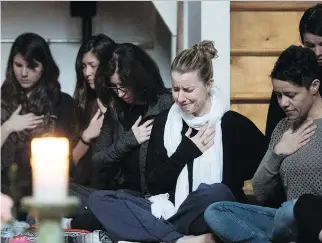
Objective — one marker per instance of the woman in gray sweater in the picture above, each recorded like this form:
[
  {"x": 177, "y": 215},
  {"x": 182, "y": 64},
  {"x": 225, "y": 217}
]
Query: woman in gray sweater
[
  {"x": 130, "y": 84},
  {"x": 292, "y": 163}
]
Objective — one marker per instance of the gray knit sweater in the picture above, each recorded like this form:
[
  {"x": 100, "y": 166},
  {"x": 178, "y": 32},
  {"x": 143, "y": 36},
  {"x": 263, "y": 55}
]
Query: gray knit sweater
[
  {"x": 299, "y": 173},
  {"x": 114, "y": 142}
]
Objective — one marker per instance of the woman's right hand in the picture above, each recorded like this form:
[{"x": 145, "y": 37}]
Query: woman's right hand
[
  {"x": 6, "y": 207},
  {"x": 17, "y": 122},
  {"x": 142, "y": 133},
  {"x": 292, "y": 141},
  {"x": 204, "y": 138},
  {"x": 94, "y": 127}
]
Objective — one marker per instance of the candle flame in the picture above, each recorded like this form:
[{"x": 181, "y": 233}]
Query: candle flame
[{"x": 52, "y": 146}]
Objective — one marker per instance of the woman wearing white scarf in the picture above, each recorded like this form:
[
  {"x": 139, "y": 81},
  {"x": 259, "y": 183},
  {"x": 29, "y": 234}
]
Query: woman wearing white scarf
[
  {"x": 208, "y": 167},
  {"x": 221, "y": 147}
]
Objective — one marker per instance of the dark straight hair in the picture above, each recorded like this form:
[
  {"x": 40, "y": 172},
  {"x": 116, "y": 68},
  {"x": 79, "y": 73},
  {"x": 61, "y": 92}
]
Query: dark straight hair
[{"x": 85, "y": 96}]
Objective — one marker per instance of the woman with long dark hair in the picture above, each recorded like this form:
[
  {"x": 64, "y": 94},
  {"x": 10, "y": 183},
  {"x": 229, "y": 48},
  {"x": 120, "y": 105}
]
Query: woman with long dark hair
[
  {"x": 130, "y": 84},
  {"x": 89, "y": 109},
  {"x": 32, "y": 105}
]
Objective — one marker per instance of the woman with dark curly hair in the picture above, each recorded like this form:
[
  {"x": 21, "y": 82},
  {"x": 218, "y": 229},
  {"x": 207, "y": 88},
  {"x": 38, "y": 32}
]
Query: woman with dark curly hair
[
  {"x": 130, "y": 84},
  {"x": 292, "y": 163},
  {"x": 32, "y": 105}
]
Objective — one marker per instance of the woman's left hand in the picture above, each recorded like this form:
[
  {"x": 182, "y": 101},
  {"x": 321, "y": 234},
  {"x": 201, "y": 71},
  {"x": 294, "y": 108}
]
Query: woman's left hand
[
  {"x": 142, "y": 132},
  {"x": 101, "y": 106},
  {"x": 204, "y": 139},
  {"x": 94, "y": 127}
]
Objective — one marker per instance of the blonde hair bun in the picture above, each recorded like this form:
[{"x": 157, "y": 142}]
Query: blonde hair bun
[{"x": 207, "y": 47}]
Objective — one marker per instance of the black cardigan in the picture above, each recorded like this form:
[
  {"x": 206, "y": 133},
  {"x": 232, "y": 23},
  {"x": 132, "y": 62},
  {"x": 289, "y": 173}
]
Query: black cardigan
[{"x": 243, "y": 149}]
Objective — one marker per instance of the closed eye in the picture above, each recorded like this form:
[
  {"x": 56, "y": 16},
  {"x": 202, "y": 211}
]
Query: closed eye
[
  {"x": 18, "y": 64},
  {"x": 309, "y": 45},
  {"x": 32, "y": 67},
  {"x": 189, "y": 90},
  {"x": 175, "y": 89},
  {"x": 290, "y": 95}
]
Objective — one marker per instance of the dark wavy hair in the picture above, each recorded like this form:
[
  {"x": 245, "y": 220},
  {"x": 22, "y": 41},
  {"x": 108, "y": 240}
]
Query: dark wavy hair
[
  {"x": 46, "y": 93},
  {"x": 298, "y": 65},
  {"x": 85, "y": 96},
  {"x": 137, "y": 71},
  {"x": 311, "y": 21}
]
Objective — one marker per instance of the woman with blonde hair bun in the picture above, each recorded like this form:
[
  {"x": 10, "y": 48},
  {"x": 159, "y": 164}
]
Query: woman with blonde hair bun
[{"x": 199, "y": 153}]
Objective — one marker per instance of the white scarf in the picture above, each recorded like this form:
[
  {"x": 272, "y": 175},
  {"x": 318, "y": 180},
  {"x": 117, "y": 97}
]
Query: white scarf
[{"x": 208, "y": 167}]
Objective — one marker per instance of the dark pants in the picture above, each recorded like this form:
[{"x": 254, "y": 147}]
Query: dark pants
[
  {"x": 308, "y": 215},
  {"x": 128, "y": 217},
  {"x": 83, "y": 193}
]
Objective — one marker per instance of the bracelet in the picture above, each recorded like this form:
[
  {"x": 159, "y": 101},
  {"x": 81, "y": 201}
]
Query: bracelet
[{"x": 84, "y": 142}]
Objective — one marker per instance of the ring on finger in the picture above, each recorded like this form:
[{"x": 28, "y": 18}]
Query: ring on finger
[{"x": 203, "y": 143}]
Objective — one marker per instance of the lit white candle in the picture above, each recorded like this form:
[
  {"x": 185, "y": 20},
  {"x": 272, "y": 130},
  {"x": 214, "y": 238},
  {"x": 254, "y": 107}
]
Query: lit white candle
[{"x": 50, "y": 169}]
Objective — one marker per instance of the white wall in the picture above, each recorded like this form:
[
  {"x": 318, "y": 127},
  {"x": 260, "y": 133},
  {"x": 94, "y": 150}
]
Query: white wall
[
  {"x": 210, "y": 20},
  {"x": 191, "y": 23},
  {"x": 215, "y": 25},
  {"x": 161, "y": 52},
  {"x": 168, "y": 13},
  {"x": 122, "y": 21}
]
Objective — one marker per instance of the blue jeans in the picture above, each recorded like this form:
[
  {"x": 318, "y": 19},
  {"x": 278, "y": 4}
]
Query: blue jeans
[
  {"x": 236, "y": 222},
  {"x": 285, "y": 228}
]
